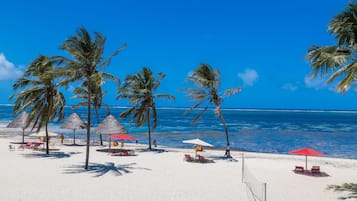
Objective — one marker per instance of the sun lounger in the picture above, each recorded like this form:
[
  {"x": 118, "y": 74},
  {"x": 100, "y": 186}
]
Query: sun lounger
[
  {"x": 28, "y": 145},
  {"x": 124, "y": 152},
  {"x": 21, "y": 147},
  {"x": 315, "y": 170},
  {"x": 299, "y": 169},
  {"x": 201, "y": 159},
  {"x": 188, "y": 157},
  {"x": 36, "y": 145}
]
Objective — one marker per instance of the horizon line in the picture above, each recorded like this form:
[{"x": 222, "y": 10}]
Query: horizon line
[{"x": 235, "y": 109}]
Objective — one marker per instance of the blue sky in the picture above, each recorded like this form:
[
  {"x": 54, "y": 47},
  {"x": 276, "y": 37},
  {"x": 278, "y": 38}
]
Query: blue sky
[{"x": 258, "y": 45}]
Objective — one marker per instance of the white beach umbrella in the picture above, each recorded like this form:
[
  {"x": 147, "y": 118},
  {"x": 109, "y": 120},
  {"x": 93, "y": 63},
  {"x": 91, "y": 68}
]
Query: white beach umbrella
[{"x": 198, "y": 142}]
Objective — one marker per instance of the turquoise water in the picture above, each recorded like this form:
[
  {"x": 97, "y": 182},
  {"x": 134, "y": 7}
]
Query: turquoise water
[{"x": 274, "y": 131}]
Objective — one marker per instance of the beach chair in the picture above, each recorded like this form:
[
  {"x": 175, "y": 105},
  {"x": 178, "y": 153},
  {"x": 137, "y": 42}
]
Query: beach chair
[
  {"x": 21, "y": 147},
  {"x": 188, "y": 157},
  {"x": 201, "y": 159},
  {"x": 36, "y": 145},
  {"x": 124, "y": 152},
  {"x": 28, "y": 145},
  {"x": 11, "y": 147},
  {"x": 315, "y": 170},
  {"x": 299, "y": 169}
]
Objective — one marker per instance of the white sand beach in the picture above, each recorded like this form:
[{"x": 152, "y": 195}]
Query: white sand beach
[{"x": 161, "y": 176}]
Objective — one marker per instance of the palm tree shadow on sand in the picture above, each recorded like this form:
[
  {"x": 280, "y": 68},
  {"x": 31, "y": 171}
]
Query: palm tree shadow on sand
[
  {"x": 51, "y": 155},
  {"x": 101, "y": 169},
  {"x": 352, "y": 196}
]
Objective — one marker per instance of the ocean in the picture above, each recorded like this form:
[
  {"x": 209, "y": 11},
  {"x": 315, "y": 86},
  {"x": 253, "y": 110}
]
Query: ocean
[{"x": 333, "y": 133}]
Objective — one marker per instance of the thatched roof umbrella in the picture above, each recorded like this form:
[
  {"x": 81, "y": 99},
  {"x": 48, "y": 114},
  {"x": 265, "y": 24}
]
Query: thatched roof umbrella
[
  {"x": 19, "y": 122},
  {"x": 74, "y": 122},
  {"x": 110, "y": 126}
]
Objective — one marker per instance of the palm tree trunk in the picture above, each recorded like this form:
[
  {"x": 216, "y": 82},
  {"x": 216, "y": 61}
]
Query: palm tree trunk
[
  {"x": 149, "y": 134},
  {"x": 23, "y": 135},
  {"x": 88, "y": 126},
  {"x": 228, "y": 154},
  {"x": 47, "y": 140}
]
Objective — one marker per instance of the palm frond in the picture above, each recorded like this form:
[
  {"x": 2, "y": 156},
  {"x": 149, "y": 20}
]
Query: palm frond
[
  {"x": 326, "y": 59},
  {"x": 109, "y": 59},
  {"x": 350, "y": 77},
  {"x": 166, "y": 96},
  {"x": 230, "y": 92},
  {"x": 344, "y": 27},
  {"x": 194, "y": 121}
]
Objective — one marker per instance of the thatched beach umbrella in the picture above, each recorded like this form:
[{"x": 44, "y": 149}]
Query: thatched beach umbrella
[
  {"x": 110, "y": 126},
  {"x": 19, "y": 122},
  {"x": 74, "y": 122}
]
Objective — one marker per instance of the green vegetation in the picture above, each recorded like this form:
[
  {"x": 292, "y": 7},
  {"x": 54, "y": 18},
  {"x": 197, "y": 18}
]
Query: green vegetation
[
  {"x": 339, "y": 60},
  {"x": 140, "y": 89},
  {"x": 208, "y": 82}
]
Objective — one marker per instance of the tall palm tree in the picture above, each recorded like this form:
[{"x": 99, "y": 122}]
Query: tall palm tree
[
  {"x": 140, "y": 90},
  {"x": 40, "y": 95},
  {"x": 87, "y": 59},
  {"x": 339, "y": 60},
  {"x": 207, "y": 81}
]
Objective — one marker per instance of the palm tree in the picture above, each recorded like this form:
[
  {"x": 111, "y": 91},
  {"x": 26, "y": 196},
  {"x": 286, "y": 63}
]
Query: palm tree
[
  {"x": 40, "y": 95},
  {"x": 140, "y": 89},
  {"x": 207, "y": 81},
  {"x": 87, "y": 59},
  {"x": 339, "y": 60}
]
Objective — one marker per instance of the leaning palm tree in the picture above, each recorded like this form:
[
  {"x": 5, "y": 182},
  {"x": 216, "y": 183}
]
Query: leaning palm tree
[
  {"x": 140, "y": 90},
  {"x": 339, "y": 60},
  {"x": 87, "y": 59},
  {"x": 40, "y": 95},
  {"x": 207, "y": 81}
]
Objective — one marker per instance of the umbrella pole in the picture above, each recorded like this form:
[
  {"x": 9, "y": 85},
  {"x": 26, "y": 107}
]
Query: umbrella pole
[
  {"x": 110, "y": 142},
  {"x": 305, "y": 162},
  {"x": 74, "y": 136}
]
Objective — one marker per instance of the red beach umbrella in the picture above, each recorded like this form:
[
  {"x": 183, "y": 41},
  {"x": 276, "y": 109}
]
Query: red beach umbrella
[
  {"x": 306, "y": 152},
  {"x": 122, "y": 137}
]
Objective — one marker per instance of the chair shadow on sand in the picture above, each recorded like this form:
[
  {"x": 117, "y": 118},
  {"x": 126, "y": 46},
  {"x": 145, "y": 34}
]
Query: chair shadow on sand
[
  {"x": 101, "y": 169},
  {"x": 308, "y": 173}
]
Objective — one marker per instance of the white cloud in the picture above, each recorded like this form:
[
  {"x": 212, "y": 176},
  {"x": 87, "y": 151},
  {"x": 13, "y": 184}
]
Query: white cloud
[
  {"x": 289, "y": 87},
  {"x": 249, "y": 76},
  {"x": 8, "y": 71},
  {"x": 315, "y": 83}
]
